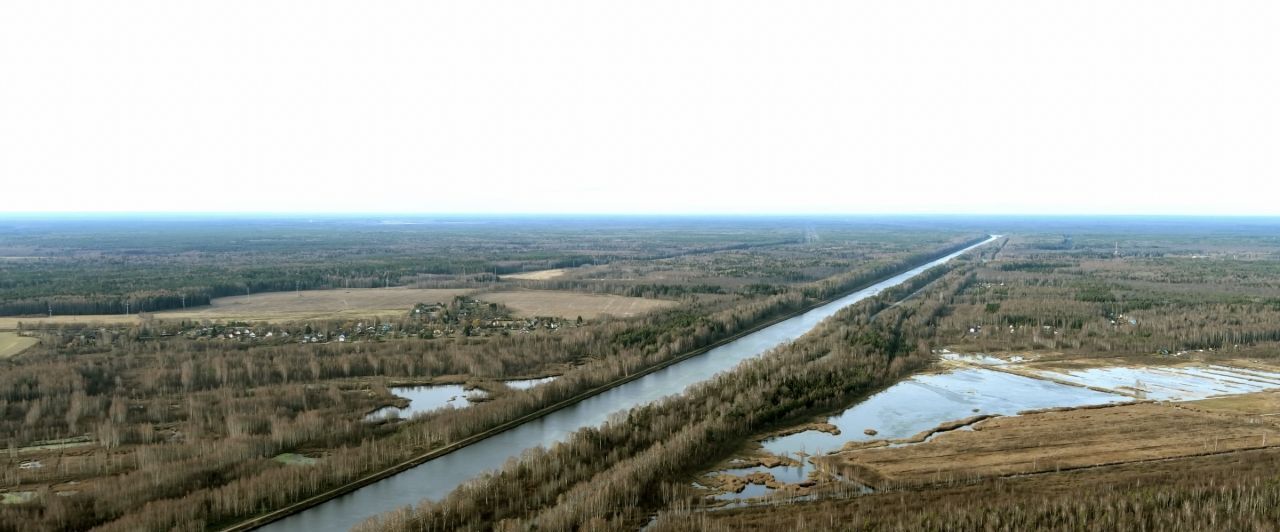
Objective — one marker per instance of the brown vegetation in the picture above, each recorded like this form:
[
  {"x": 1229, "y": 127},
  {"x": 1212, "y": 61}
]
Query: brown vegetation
[
  {"x": 187, "y": 428},
  {"x": 11, "y": 344},
  {"x": 1061, "y": 299},
  {"x": 539, "y": 275},
  {"x": 316, "y": 304},
  {"x": 571, "y": 305},
  {"x": 1054, "y": 441},
  {"x": 607, "y": 476},
  {"x": 1237, "y": 491},
  {"x": 274, "y": 307}
]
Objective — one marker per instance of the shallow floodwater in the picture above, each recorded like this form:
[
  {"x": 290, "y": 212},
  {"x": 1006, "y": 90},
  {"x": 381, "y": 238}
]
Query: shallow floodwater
[
  {"x": 425, "y": 399},
  {"x": 434, "y": 397},
  {"x": 525, "y": 384},
  {"x": 786, "y": 474},
  {"x": 435, "y": 479},
  {"x": 1173, "y": 383},
  {"x": 926, "y": 401},
  {"x": 923, "y": 402}
]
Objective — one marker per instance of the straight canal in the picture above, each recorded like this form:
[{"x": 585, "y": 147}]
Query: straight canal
[{"x": 435, "y": 479}]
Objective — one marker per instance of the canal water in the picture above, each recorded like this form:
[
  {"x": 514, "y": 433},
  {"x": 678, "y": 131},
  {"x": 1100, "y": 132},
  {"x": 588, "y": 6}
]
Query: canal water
[{"x": 435, "y": 479}]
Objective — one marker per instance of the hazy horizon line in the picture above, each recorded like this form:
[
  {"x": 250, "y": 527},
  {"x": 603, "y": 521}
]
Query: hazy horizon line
[{"x": 588, "y": 214}]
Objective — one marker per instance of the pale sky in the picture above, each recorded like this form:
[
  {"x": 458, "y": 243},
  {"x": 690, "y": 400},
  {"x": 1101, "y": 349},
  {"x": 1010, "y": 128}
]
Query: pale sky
[{"x": 653, "y": 106}]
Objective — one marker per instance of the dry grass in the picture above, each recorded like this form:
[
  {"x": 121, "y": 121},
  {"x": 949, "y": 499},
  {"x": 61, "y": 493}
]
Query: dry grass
[
  {"x": 540, "y": 275},
  {"x": 943, "y": 507},
  {"x": 570, "y": 305},
  {"x": 11, "y": 323},
  {"x": 1264, "y": 404},
  {"x": 281, "y": 306},
  {"x": 1053, "y": 441},
  {"x": 308, "y": 304},
  {"x": 11, "y": 344}
]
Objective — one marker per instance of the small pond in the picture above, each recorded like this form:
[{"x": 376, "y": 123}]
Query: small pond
[
  {"x": 434, "y": 397},
  {"x": 425, "y": 399}
]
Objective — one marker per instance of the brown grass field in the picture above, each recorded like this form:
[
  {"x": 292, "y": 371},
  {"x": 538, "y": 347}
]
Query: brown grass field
[
  {"x": 540, "y": 275},
  {"x": 1265, "y": 404},
  {"x": 11, "y": 344},
  {"x": 281, "y": 306},
  {"x": 11, "y": 323},
  {"x": 570, "y": 305},
  {"x": 1063, "y": 440}
]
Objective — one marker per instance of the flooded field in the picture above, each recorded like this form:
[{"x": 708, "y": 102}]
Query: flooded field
[
  {"x": 978, "y": 386},
  {"x": 1172, "y": 383},
  {"x": 923, "y": 402},
  {"x": 1059, "y": 440}
]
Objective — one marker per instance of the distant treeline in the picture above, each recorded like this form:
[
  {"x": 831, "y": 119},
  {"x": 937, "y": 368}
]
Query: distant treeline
[
  {"x": 85, "y": 286},
  {"x": 130, "y": 282}
]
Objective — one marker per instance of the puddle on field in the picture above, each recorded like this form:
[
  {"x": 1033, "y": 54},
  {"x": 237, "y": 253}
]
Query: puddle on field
[
  {"x": 923, "y": 402},
  {"x": 1172, "y": 383},
  {"x": 525, "y": 384},
  {"x": 425, "y": 399}
]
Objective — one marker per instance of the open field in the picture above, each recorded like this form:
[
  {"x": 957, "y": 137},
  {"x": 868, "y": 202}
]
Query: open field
[
  {"x": 1254, "y": 404},
  {"x": 1054, "y": 441},
  {"x": 11, "y": 344},
  {"x": 10, "y": 323},
  {"x": 540, "y": 275},
  {"x": 570, "y": 305},
  {"x": 309, "y": 304},
  {"x": 280, "y": 306}
]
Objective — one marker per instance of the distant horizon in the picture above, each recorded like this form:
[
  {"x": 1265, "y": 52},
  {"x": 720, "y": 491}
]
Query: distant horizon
[{"x": 710, "y": 214}]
